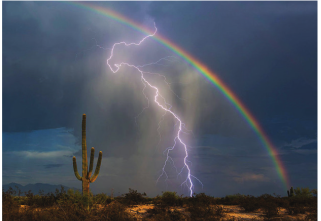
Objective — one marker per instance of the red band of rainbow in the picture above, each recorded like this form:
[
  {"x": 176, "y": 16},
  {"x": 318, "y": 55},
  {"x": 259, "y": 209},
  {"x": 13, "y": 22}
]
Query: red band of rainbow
[{"x": 201, "y": 68}]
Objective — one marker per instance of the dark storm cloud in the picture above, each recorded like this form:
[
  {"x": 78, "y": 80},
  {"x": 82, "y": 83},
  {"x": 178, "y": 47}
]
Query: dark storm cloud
[
  {"x": 41, "y": 43},
  {"x": 245, "y": 40},
  {"x": 49, "y": 83},
  {"x": 34, "y": 83},
  {"x": 255, "y": 47},
  {"x": 52, "y": 74}
]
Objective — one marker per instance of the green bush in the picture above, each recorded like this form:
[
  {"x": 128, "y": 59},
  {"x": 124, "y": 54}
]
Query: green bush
[
  {"x": 40, "y": 200},
  {"x": 270, "y": 209},
  {"x": 149, "y": 200},
  {"x": 301, "y": 204},
  {"x": 132, "y": 198},
  {"x": 10, "y": 207},
  {"x": 302, "y": 192},
  {"x": 314, "y": 192},
  {"x": 201, "y": 207},
  {"x": 76, "y": 198},
  {"x": 249, "y": 203},
  {"x": 102, "y": 199},
  {"x": 169, "y": 199},
  {"x": 205, "y": 212},
  {"x": 234, "y": 199},
  {"x": 201, "y": 200}
]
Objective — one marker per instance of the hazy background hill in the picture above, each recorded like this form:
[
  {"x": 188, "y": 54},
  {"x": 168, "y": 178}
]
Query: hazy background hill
[{"x": 35, "y": 188}]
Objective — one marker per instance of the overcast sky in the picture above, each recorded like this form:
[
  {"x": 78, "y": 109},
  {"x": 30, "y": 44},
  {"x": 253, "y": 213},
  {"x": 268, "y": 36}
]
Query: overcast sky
[{"x": 54, "y": 70}]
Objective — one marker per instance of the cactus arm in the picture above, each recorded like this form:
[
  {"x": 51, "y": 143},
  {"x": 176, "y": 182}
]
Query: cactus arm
[
  {"x": 75, "y": 169},
  {"x": 92, "y": 154},
  {"x": 94, "y": 177}
]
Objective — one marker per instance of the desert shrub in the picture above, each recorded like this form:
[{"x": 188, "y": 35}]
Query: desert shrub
[
  {"x": 314, "y": 192},
  {"x": 171, "y": 199},
  {"x": 149, "y": 200},
  {"x": 10, "y": 207},
  {"x": 300, "y": 205},
  {"x": 132, "y": 198},
  {"x": 157, "y": 201},
  {"x": 302, "y": 192},
  {"x": 158, "y": 206},
  {"x": 66, "y": 210},
  {"x": 231, "y": 199},
  {"x": 218, "y": 211},
  {"x": 313, "y": 207},
  {"x": 282, "y": 201},
  {"x": 205, "y": 212},
  {"x": 47, "y": 201},
  {"x": 102, "y": 199},
  {"x": 167, "y": 200},
  {"x": 18, "y": 199},
  {"x": 163, "y": 207},
  {"x": 115, "y": 211},
  {"x": 201, "y": 207},
  {"x": 39, "y": 215},
  {"x": 160, "y": 213},
  {"x": 168, "y": 215},
  {"x": 200, "y": 200},
  {"x": 69, "y": 210},
  {"x": 270, "y": 209},
  {"x": 64, "y": 206},
  {"x": 250, "y": 203},
  {"x": 76, "y": 198},
  {"x": 293, "y": 209},
  {"x": 29, "y": 198},
  {"x": 267, "y": 200},
  {"x": 41, "y": 200},
  {"x": 38, "y": 200}
]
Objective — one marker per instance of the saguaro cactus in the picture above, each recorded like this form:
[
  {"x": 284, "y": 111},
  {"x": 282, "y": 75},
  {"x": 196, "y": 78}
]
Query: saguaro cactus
[
  {"x": 290, "y": 193},
  {"x": 86, "y": 175}
]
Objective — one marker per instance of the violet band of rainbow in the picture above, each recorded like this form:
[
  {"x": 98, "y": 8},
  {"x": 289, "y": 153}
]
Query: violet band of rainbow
[{"x": 206, "y": 72}]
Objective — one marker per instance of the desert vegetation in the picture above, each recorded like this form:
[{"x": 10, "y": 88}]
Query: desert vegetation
[{"x": 72, "y": 205}]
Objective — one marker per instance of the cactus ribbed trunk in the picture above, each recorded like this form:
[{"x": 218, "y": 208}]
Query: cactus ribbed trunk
[
  {"x": 85, "y": 188},
  {"x": 86, "y": 175},
  {"x": 85, "y": 182}
]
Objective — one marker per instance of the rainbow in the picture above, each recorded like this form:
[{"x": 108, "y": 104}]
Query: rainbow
[{"x": 212, "y": 77}]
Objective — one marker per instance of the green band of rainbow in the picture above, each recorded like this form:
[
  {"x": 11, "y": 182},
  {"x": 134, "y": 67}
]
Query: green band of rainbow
[{"x": 201, "y": 68}]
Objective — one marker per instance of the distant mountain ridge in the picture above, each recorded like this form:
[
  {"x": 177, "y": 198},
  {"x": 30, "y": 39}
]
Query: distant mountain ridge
[{"x": 35, "y": 188}]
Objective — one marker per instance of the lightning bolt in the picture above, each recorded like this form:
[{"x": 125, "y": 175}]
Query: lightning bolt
[{"x": 166, "y": 107}]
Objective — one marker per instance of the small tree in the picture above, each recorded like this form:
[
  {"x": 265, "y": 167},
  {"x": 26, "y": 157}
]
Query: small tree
[
  {"x": 314, "y": 192},
  {"x": 134, "y": 197},
  {"x": 302, "y": 192}
]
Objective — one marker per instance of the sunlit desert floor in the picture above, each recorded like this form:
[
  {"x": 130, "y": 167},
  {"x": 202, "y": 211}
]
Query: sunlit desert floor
[
  {"x": 140, "y": 211},
  {"x": 230, "y": 212}
]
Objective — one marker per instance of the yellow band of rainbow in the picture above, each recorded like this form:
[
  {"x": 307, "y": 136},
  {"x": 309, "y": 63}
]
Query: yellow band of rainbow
[{"x": 201, "y": 68}]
